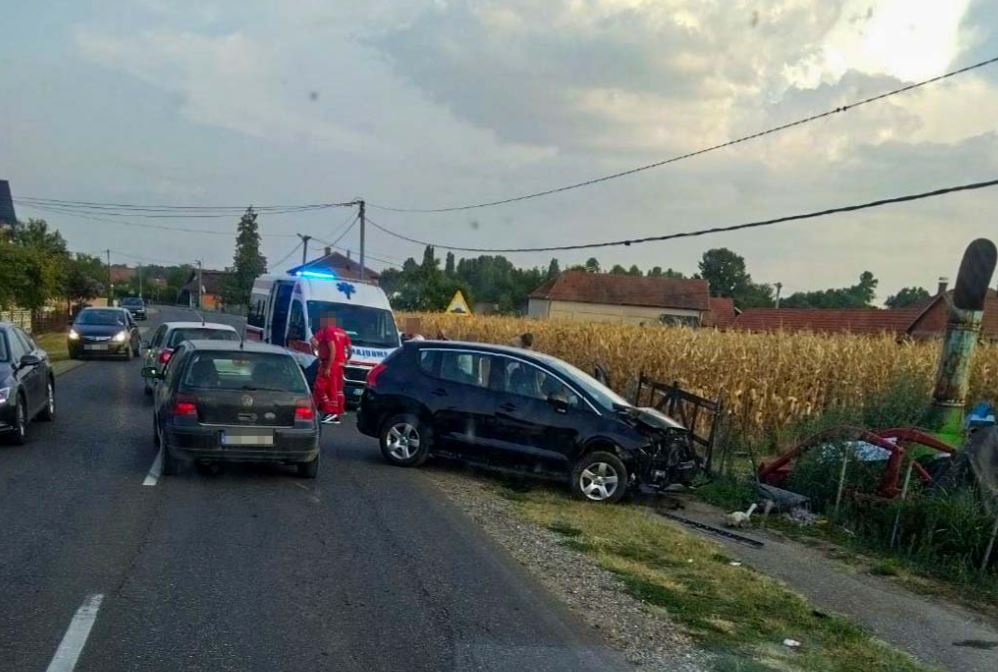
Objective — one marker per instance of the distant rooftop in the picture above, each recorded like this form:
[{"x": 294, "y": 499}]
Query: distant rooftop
[{"x": 7, "y": 214}]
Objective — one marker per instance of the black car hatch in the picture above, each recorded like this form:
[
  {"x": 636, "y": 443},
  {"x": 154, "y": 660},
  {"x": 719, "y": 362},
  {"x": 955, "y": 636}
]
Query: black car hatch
[{"x": 250, "y": 407}]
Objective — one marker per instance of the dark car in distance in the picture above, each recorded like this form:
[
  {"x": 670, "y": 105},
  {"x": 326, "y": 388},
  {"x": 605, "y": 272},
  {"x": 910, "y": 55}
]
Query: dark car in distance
[
  {"x": 224, "y": 401},
  {"x": 514, "y": 409},
  {"x": 104, "y": 332},
  {"x": 27, "y": 385},
  {"x": 136, "y": 306}
]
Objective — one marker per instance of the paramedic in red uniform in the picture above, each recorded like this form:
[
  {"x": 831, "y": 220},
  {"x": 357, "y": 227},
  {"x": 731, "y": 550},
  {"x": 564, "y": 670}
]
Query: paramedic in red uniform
[{"x": 332, "y": 345}]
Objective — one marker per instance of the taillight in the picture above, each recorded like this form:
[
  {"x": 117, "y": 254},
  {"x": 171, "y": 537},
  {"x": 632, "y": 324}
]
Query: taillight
[
  {"x": 185, "y": 405},
  {"x": 304, "y": 410},
  {"x": 164, "y": 356},
  {"x": 372, "y": 377}
]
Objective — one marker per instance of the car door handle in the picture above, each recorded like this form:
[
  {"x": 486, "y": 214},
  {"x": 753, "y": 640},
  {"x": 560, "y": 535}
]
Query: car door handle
[
  {"x": 439, "y": 392},
  {"x": 508, "y": 407}
]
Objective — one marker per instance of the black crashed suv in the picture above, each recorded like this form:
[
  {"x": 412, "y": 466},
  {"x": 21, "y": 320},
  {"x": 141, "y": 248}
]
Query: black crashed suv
[{"x": 514, "y": 409}]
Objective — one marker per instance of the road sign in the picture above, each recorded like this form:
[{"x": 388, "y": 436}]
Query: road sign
[{"x": 458, "y": 305}]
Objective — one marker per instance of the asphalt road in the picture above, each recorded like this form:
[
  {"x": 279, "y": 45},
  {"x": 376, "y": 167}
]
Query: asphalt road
[{"x": 366, "y": 568}]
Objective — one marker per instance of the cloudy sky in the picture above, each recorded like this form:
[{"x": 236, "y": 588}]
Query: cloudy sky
[{"x": 428, "y": 104}]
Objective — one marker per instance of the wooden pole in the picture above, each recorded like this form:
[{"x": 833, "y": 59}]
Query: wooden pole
[
  {"x": 904, "y": 496},
  {"x": 842, "y": 481},
  {"x": 991, "y": 545}
]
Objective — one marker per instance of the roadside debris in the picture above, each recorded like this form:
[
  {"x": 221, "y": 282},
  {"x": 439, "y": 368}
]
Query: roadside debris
[
  {"x": 740, "y": 518},
  {"x": 791, "y": 643}
]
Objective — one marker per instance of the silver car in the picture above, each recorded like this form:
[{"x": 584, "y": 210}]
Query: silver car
[{"x": 160, "y": 347}]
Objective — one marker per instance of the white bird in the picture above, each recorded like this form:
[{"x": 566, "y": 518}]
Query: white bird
[{"x": 739, "y": 518}]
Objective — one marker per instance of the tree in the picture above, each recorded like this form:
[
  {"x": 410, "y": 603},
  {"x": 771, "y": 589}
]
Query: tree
[
  {"x": 429, "y": 259},
  {"x": 724, "y": 271},
  {"x": 449, "y": 264},
  {"x": 618, "y": 270},
  {"x": 248, "y": 263},
  {"x": 655, "y": 272},
  {"x": 592, "y": 265},
  {"x": 907, "y": 296},
  {"x": 554, "y": 270},
  {"x": 36, "y": 234},
  {"x": 28, "y": 277},
  {"x": 634, "y": 270},
  {"x": 860, "y": 295},
  {"x": 84, "y": 278},
  {"x": 727, "y": 276},
  {"x": 669, "y": 273}
]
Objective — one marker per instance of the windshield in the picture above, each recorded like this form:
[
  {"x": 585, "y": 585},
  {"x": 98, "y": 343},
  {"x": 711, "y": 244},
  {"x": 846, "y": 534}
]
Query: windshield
[
  {"x": 603, "y": 395},
  {"x": 4, "y": 353},
  {"x": 368, "y": 326},
  {"x": 132, "y": 302},
  {"x": 177, "y": 336},
  {"x": 244, "y": 371},
  {"x": 101, "y": 317}
]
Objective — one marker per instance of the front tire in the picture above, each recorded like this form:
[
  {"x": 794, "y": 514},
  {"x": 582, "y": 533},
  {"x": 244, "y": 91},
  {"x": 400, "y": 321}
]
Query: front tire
[
  {"x": 405, "y": 441},
  {"x": 48, "y": 413},
  {"x": 20, "y": 434},
  {"x": 599, "y": 477}
]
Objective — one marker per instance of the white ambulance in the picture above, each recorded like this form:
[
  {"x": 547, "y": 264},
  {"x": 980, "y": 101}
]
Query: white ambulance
[{"x": 285, "y": 310}]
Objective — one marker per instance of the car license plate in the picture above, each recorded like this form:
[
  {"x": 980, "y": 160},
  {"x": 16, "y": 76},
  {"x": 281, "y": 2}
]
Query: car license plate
[
  {"x": 247, "y": 439},
  {"x": 357, "y": 391},
  {"x": 95, "y": 346}
]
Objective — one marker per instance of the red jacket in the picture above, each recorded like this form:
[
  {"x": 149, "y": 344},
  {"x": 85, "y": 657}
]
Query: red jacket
[{"x": 334, "y": 343}]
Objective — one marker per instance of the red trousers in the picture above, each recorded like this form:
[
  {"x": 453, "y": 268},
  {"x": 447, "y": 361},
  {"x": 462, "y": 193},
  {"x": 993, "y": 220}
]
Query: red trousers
[{"x": 327, "y": 393}]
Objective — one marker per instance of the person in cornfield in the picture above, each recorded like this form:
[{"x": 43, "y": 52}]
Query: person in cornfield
[{"x": 332, "y": 345}]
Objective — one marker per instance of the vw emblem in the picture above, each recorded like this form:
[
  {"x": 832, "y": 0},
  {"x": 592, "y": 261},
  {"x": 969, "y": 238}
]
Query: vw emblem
[{"x": 247, "y": 401}]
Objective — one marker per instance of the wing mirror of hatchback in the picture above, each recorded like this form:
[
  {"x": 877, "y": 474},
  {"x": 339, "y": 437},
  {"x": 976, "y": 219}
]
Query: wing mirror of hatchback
[
  {"x": 30, "y": 360},
  {"x": 151, "y": 372}
]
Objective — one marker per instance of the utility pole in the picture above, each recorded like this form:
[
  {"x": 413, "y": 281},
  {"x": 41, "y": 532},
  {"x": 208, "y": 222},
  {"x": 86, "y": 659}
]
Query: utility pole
[
  {"x": 200, "y": 286},
  {"x": 110, "y": 287},
  {"x": 138, "y": 271},
  {"x": 304, "y": 249},
  {"x": 362, "y": 231},
  {"x": 779, "y": 286}
]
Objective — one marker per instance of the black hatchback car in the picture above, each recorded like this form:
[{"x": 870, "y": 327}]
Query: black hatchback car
[
  {"x": 103, "y": 332},
  {"x": 27, "y": 385},
  {"x": 224, "y": 401},
  {"x": 515, "y": 409},
  {"x": 136, "y": 306}
]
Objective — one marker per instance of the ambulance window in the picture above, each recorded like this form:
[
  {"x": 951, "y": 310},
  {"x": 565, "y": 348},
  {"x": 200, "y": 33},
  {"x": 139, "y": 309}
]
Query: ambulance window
[
  {"x": 296, "y": 324},
  {"x": 257, "y": 315}
]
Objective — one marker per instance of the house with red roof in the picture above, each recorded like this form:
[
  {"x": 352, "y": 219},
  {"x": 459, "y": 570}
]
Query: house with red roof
[
  {"x": 926, "y": 319},
  {"x": 624, "y": 299}
]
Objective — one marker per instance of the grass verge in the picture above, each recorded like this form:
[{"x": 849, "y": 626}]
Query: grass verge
[
  {"x": 740, "y": 615},
  {"x": 54, "y": 343}
]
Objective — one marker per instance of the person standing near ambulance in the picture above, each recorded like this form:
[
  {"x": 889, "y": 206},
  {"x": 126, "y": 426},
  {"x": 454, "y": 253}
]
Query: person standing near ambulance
[{"x": 333, "y": 348}]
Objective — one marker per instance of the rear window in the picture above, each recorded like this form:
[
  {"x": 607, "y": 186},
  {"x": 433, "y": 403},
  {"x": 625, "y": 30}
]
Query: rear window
[
  {"x": 132, "y": 302},
  {"x": 244, "y": 371},
  {"x": 177, "y": 336},
  {"x": 98, "y": 316}
]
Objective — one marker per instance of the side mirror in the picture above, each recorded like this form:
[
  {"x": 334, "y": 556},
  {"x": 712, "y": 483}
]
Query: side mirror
[
  {"x": 151, "y": 372},
  {"x": 30, "y": 360}
]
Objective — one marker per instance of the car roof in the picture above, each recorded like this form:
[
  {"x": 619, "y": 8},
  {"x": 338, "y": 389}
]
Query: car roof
[
  {"x": 199, "y": 325},
  {"x": 90, "y": 309},
  {"x": 229, "y": 346},
  {"x": 485, "y": 347}
]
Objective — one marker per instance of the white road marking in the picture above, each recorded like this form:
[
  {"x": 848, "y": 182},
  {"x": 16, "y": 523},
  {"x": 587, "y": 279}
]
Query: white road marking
[
  {"x": 76, "y": 635},
  {"x": 156, "y": 470}
]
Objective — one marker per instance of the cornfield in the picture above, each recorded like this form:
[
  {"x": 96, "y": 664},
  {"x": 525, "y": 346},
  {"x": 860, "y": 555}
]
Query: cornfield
[{"x": 767, "y": 381}]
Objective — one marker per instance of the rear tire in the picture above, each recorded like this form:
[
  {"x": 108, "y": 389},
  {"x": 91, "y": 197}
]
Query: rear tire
[
  {"x": 405, "y": 440},
  {"x": 171, "y": 465},
  {"x": 308, "y": 469},
  {"x": 599, "y": 477},
  {"x": 47, "y": 414}
]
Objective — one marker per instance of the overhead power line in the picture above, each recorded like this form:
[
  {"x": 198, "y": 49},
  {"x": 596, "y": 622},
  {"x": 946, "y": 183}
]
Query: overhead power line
[
  {"x": 703, "y": 232},
  {"x": 286, "y": 256},
  {"x": 345, "y": 232},
  {"x": 688, "y": 155},
  {"x": 170, "y": 208},
  {"x": 180, "y": 214}
]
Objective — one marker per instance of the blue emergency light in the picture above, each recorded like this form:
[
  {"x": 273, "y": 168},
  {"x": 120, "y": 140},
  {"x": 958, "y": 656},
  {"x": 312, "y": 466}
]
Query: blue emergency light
[{"x": 317, "y": 274}]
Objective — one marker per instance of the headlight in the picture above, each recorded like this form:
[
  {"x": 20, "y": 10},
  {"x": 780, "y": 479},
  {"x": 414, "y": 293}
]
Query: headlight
[
  {"x": 73, "y": 336},
  {"x": 120, "y": 337},
  {"x": 4, "y": 394}
]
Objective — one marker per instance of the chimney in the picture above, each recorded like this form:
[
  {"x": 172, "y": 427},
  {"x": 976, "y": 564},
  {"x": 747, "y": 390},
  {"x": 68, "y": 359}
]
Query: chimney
[
  {"x": 329, "y": 250},
  {"x": 943, "y": 284}
]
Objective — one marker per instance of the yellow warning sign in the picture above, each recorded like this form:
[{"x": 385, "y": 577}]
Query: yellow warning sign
[{"x": 457, "y": 305}]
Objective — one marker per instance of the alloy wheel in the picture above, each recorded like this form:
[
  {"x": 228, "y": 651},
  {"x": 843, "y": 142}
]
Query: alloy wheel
[
  {"x": 599, "y": 481},
  {"x": 51, "y": 399},
  {"x": 402, "y": 441},
  {"x": 21, "y": 420}
]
